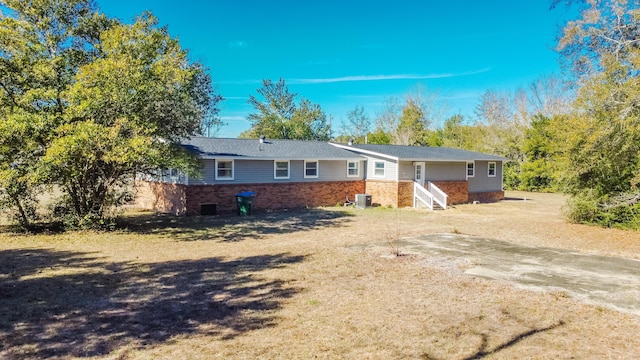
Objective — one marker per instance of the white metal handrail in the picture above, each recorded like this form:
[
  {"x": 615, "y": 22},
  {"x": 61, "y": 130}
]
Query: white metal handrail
[
  {"x": 438, "y": 195},
  {"x": 420, "y": 194}
]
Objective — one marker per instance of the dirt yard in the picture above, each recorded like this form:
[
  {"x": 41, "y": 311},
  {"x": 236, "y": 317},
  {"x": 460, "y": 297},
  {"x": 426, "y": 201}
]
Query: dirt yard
[{"x": 301, "y": 285}]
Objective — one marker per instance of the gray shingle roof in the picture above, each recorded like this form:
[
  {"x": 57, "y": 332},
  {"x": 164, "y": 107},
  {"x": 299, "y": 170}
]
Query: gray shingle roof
[
  {"x": 270, "y": 149},
  {"x": 424, "y": 153}
]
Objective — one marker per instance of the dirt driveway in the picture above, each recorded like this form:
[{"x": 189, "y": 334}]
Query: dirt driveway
[{"x": 612, "y": 282}]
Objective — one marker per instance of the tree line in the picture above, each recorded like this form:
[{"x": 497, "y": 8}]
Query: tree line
[
  {"x": 577, "y": 132},
  {"x": 88, "y": 103}
]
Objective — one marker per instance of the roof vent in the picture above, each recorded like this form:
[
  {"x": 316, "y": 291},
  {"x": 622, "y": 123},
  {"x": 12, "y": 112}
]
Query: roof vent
[
  {"x": 350, "y": 142},
  {"x": 262, "y": 137}
]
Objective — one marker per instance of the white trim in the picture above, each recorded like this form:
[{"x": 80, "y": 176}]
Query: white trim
[
  {"x": 275, "y": 162},
  {"x": 422, "y": 166},
  {"x": 355, "y": 149},
  {"x": 304, "y": 169},
  {"x": 233, "y": 170},
  {"x": 235, "y": 157},
  {"x": 466, "y": 169},
  {"x": 495, "y": 169},
  {"x": 357, "y": 168},
  {"x": 384, "y": 166}
]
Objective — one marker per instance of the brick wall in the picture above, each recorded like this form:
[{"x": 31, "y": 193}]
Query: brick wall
[
  {"x": 272, "y": 196},
  {"x": 383, "y": 193},
  {"x": 405, "y": 193},
  {"x": 457, "y": 191},
  {"x": 161, "y": 197},
  {"x": 492, "y": 196}
]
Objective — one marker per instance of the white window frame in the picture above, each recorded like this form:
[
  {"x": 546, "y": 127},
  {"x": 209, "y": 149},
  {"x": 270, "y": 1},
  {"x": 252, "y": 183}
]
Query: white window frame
[
  {"x": 473, "y": 169},
  {"x": 356, "y": 167},
  {"x": 495, "y": 169},
  {"x": 233, "y": 169},
  {"x": 275, "y": 169},
  {"x": 375, "y": 168},
  {"x": 317, "y": 169}
]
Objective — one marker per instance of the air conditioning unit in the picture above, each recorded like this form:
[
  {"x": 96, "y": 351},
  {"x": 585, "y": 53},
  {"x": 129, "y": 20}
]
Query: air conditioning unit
[{"x": 363, "y": 201}]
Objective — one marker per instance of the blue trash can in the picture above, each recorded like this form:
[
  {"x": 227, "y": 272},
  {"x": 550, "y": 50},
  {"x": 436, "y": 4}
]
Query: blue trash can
[{"x": 244, "y": 200}]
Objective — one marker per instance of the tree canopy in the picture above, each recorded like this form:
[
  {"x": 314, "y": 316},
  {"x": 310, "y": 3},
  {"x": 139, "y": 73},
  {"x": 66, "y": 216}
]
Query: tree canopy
[
  {"x": 277, "y": 116},
  {"x": 601, "y": 138},
  {"x": 87, "y": 103}
]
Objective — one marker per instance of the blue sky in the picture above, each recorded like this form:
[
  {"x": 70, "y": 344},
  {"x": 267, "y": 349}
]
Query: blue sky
[{"x": 342, "y": 54}]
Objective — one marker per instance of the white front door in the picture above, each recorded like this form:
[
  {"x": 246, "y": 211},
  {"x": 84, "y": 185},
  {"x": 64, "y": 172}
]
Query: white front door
[{"x": 418, "y": 173}]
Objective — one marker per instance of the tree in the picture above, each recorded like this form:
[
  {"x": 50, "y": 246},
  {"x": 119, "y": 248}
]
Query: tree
[
  {"x": 278, "y": 117},
  {"x": 602, "y": 135},
  {"x": 550, "y": 96},
  {"x": 87, "y": 103},
  {"x": 407, "y": 124},
  {"x": 357, "y": 125},
  {"x": 539, "y": 170},
  {"x": 412, "y": 125},
  {"x": 456, "y": 134},
  {"x": 605, "y": 27}
]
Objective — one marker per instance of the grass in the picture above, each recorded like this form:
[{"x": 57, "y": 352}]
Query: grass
[{"x": 295, "y": 285}]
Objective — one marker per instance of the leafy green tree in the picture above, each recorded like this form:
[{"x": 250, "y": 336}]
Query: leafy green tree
[
  {"x": 411, "y": 128},
  {"x": 379, "y": 136},
  {"x": 457, "y": 134},
  {"x": 87, "y": 103},
  {"x": 539, "y": 171},
  {"x": 602, "y": 138},
  {"x": 278, "y": 116}
]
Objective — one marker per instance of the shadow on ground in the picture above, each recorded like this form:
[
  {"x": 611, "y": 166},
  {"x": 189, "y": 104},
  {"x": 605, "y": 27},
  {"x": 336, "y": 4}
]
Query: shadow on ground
[
  {"x": 231, "y": 228},
  {"x": 60, "y": 304}
]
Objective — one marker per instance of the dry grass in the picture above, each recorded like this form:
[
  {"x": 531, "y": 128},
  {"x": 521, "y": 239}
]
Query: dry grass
[{"x": 298, "y": 285}]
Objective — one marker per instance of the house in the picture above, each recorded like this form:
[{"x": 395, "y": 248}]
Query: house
[
  {"x": 396, "y": 175},
  {"x": 293, "y": 174},
  {"x": 282, "y": 173}
]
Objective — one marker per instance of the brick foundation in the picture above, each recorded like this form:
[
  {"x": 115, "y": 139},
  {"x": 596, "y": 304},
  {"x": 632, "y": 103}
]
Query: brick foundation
[
  {"x": 457, "y": 191},
  {"x": 161, "y": 197},
  {"x": 405, "y": 193},
  {"x": 181, "y": 199},
  {"x": 390, "y": 193},
  {"x": 272, "y": 196},
  {"x": 485, "y": 197},
  {"x": 383, "y": 193}
]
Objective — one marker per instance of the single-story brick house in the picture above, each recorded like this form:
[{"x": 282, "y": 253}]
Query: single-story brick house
[
  {"x": 451, "y": 176},
  {"x": 293, "y": 174}
]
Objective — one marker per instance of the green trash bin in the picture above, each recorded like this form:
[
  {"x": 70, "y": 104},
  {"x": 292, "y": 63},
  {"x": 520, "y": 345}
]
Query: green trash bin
[{"x": 244, "y": 200}]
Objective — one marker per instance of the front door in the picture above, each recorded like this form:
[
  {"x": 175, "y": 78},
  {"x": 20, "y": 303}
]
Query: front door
[{"x": 418, "y": 173}]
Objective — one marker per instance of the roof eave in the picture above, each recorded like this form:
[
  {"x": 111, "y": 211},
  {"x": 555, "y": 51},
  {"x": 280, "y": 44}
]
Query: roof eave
[{"x": 236, "y": 157}]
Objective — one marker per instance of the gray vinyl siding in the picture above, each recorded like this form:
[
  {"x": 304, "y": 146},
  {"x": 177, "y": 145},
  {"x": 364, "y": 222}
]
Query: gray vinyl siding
[
  {"x": 390, "y": 169},
  {"x": 442, "y": 171},
  {"x": 481, "y": 182},
  {"x": 261, "y": 171},
  {"x": 407, "y": 171}
]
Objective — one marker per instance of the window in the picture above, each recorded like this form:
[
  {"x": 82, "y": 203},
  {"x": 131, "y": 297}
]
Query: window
[
  {"x": 378, "y": 169},
  {"x": 224, "y": 169},
  {"x": 281, "y": 169},
  {"x": 470, "y": 169},
  {"x": 492, "y": 169},
  {"x": 353, "y": 168},
  {"x": 173, "y": 173},
  {"x": 311, "y": 169}
]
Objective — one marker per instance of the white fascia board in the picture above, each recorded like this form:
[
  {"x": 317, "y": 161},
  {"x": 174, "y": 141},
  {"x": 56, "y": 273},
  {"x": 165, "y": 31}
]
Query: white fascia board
[
  {"x": 368, "y": 152},
  {"x": 450, "y": 160},
  {"x": 209, "y": 157}
]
